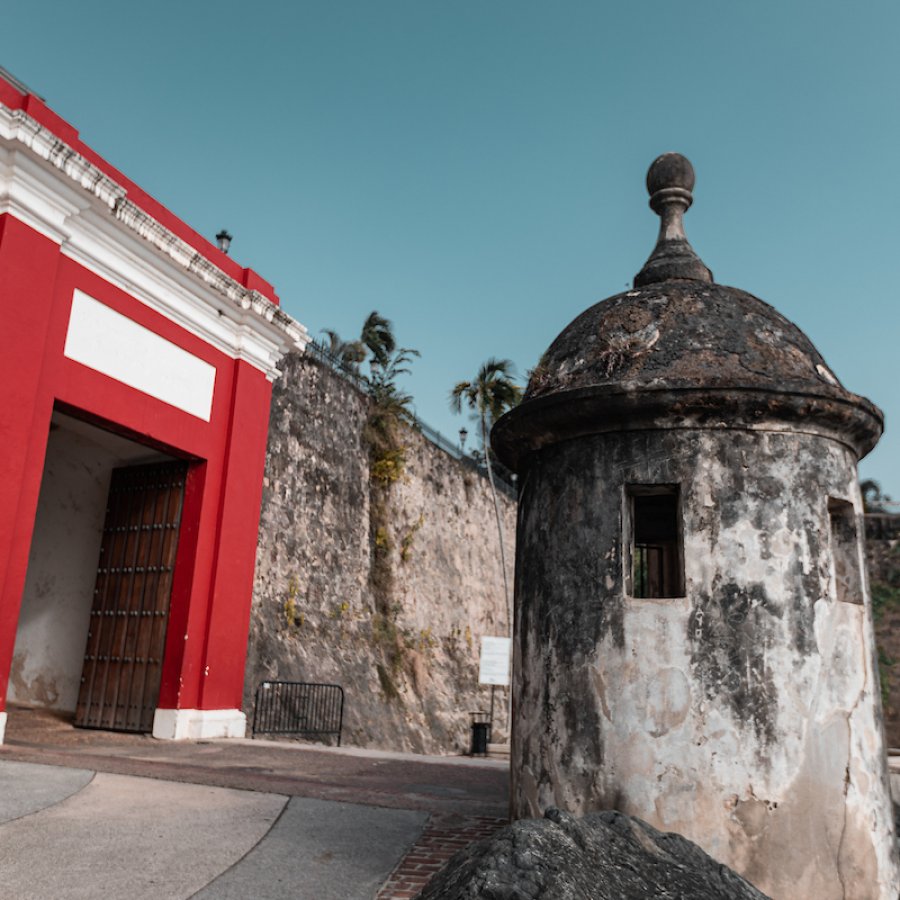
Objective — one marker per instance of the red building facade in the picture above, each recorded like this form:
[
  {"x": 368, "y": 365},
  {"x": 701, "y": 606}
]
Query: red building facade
[{"x": 134, "y": 404}]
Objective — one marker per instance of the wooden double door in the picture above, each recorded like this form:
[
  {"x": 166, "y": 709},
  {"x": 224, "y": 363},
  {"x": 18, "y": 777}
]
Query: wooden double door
[{"x": 123, "y": 659}]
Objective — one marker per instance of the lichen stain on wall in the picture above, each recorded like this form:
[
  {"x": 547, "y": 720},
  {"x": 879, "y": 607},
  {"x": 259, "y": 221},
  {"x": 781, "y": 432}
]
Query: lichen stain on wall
[{"x": 410, "y": 677}]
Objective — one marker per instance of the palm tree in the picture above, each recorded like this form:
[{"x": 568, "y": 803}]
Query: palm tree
[
  {"x": 874, "y": 499},
  {"x": 378, "y": 335},
  {"x": 391, "y": 406},
  {"x": 390, "y": 401},
  {"x": 488, "y": 396},
  {"x": 348, "y": 353}
]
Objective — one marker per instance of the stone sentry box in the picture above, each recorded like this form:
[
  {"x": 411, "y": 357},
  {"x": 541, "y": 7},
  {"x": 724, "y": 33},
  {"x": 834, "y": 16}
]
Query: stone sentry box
[{"x": 693, "y": 634}]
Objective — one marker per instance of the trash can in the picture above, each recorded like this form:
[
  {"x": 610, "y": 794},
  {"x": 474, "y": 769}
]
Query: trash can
[{"x": 481, "y": 733}]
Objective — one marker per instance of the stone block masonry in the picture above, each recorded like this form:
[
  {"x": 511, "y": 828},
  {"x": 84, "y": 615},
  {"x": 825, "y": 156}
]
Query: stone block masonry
[
  {"x": 406, "y": 653},
  {"x": 883, "y": 555}
]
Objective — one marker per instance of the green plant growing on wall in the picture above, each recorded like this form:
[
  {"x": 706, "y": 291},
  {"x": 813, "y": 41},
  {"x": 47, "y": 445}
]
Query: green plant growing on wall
[
  {"x": 292, "y": 615},
  {"x": 406, "y": 543},
  {"x": 539, "y": 376},
  {"x": 452, "y": 641},
  {"x": 388, "y": 467},
  {"x": 340, "y": 611},
  {"x": 885, "y": 664},
  {"x": 387, "y": 682},
  {"x": 393, "y": 643},
  {"x": 426, "y": 641},
  {"x": 885, "y": 596},
  {"x": 885, "y": 599},
  {"x": 389, "y": 414}
]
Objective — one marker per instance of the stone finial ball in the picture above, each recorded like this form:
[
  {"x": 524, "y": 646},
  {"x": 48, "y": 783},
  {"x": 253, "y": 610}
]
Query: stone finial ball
[{"x": 671, "y": 170}]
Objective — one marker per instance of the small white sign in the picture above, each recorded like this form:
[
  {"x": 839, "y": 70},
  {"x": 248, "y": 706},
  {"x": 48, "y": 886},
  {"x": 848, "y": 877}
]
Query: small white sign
[{"x": 494, "y": 668}]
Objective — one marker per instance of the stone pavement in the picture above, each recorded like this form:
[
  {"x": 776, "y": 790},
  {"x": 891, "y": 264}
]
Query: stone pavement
[{"x": 80, "y": 818}]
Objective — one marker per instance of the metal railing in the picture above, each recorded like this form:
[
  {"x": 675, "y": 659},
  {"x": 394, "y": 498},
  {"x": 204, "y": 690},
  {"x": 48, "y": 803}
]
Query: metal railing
[
  {"x": 299, "y": 707},
  {"x": 882, "y": 526},
  {"x": 503, "y": 478},
  {"x": 320, "y": 350}
]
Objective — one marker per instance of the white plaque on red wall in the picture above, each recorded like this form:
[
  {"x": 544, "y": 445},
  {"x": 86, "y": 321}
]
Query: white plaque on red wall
[{"x": 108, "y": 342}]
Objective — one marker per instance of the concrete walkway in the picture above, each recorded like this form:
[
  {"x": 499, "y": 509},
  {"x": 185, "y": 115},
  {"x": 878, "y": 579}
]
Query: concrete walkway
[
  {"x": 73, "y": 834},
  {"x": 467, "y": 787},
  {"x": 94, "y": 814}
]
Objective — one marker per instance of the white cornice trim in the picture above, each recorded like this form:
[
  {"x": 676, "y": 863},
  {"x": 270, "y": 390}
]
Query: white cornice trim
[
  {"x": 74, "y": 203},
  {"x": 26, "y": 195}
]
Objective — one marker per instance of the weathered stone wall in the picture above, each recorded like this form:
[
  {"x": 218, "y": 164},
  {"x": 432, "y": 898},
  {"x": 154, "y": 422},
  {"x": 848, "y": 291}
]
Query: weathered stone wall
[
  {"x": 743, "y": 715},
  {"x": 410, "y": 677},
  {"x": 883, "y": 553}
]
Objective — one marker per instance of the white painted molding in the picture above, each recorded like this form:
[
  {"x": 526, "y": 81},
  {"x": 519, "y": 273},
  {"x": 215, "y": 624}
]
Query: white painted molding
[
  {"x": 2, "y": 726},
  {"x": 52, "y": 188},
  {"x": 30, "y": 199},
  {"x": 198, "y": 724}
]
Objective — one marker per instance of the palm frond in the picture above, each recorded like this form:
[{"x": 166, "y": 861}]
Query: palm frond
[
  {"x": 378, "y": 336},
  {"x": 492, "y": 392}
]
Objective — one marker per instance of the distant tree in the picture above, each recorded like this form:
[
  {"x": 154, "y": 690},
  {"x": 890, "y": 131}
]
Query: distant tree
[
  {"x": 386, "y": 361},
  {"x": 488, "y": 396},
  {"x": 874, "y": 499},
  {"x": 349, "y": 353},
  {"x": 378, "y": 336}
]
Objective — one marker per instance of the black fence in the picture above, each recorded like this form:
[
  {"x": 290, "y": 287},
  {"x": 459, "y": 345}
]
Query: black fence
[
  {"x": 320, "y": 350},
  {"x": 503, "y": 478},
  {"x": 882, "y": 526},
  {"x": 300, "y": 708}
]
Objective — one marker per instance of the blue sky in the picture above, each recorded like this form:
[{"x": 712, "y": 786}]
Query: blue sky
[{"x": 475, "y": 170}]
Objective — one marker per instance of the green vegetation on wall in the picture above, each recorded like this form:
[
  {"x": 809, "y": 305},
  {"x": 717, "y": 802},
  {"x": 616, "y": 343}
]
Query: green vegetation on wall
[
  {"x": 886, "y": 599},
  {"x": 389, "y": 415}
]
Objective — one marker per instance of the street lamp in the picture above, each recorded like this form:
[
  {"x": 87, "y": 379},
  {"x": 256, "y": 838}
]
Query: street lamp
[
  {"x": 223, "y": 240},
  {"x": 463, "y": 434}
]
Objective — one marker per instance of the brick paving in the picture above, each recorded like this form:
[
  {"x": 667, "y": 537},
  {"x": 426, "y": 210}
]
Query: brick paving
[{"x": 443, "y": 835}]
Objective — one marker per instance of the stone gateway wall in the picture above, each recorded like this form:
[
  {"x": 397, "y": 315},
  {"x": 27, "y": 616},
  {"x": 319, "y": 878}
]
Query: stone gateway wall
[
  {"x": 408, "y": 666},
  {"x": 883, "y": 553}
]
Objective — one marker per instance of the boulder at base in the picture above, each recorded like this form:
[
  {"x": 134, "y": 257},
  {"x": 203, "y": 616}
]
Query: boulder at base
[{"x": 603, "y": 856}]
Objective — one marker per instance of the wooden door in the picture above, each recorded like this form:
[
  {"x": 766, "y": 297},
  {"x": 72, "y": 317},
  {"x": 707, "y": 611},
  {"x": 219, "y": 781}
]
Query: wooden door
[{"x": 123, "y": 659}]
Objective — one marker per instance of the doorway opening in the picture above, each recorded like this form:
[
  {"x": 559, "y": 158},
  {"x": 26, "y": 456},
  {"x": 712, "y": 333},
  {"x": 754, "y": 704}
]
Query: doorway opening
[{"x": 95, "y": 604}]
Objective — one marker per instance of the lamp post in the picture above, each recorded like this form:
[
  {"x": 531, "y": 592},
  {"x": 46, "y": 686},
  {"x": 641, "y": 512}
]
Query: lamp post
[
  {"x": 223, "y": 241},
  {"x": 463, "y": 434}
]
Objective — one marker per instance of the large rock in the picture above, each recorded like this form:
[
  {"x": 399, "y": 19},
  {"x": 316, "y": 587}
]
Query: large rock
[{"x": 603, "y": 856}]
